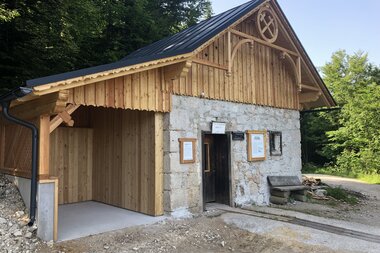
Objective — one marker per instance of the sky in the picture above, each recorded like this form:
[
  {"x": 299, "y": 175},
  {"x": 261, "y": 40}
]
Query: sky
[{"x": 325, "y": 26}]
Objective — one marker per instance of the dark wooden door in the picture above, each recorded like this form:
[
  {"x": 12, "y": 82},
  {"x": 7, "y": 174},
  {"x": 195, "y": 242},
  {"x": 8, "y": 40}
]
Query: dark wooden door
[
  {"x": 209, "y": 169},
  {"x": 222, "y": 175},
  {"x": 216, "y": 176}
]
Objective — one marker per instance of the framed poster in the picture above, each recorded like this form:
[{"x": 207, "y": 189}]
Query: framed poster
[
  {"x": 187, "y": 150},
  {"x": 256, "y": 141}
]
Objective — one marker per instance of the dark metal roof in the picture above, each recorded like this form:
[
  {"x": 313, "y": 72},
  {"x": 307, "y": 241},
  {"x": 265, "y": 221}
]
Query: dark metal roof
[
  {"x": 16, "y": 93},
  {"x": 183, "y": 42}
]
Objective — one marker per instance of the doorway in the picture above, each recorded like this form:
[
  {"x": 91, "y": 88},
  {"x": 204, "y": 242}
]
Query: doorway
[{"x": 216, "y": 168}]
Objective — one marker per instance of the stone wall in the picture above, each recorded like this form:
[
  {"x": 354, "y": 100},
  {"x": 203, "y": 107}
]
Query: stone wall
[{"x": 190, "y": 116}]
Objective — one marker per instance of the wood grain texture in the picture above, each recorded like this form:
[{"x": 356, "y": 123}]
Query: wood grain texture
[
  {"x": 15, "y": 148},
  {"x": 140, "y": 91},
  {"x": 128, "y": 161},
  {"x": 71, "y": 161}
]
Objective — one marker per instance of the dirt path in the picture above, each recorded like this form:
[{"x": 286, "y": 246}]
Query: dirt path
[
  {"x": 366, "y": 212},
  {"x": 371, "y": 190}
]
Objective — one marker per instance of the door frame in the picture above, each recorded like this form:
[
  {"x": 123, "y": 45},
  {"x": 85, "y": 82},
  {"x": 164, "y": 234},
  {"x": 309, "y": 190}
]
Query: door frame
[{"x": 228, "y": 135}]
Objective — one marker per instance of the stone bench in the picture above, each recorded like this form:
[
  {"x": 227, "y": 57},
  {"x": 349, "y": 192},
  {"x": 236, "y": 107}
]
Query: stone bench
[{"x": 284, "y": 187}]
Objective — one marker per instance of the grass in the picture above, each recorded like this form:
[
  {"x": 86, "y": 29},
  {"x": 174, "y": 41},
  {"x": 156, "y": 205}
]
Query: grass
[
  {"x": 367, "y": 178},
  {"x": 371, "y": 179},
  {"x": 342, "y": 195}
]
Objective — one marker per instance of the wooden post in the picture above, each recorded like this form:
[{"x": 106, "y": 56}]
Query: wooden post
[
  {"x": 229, "y": 48},
  {"x": 159, "y": 163},
  {"x": 44, "y": 146}
]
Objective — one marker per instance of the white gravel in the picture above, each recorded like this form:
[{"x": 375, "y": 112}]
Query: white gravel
[{"x": 15, "y": 235}]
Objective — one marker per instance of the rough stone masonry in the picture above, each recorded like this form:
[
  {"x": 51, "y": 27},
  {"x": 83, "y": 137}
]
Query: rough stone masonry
[{"x": 190, "y": 116}]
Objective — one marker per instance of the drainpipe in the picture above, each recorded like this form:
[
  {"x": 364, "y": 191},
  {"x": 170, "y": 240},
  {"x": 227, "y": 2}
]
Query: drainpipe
[{"x": 5, "y": 101}]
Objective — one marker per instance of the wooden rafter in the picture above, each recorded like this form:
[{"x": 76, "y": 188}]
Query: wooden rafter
[{"x": 63, "y": 117}]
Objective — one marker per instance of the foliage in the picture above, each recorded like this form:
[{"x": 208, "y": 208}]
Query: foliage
[
  {"x": 347, "y": 141},
  {"x": 358, "y": 138},
  {"x": 6, "y": 14},
  {"x": 53, "y": 36},
  {"x": 340, "y": 194}
]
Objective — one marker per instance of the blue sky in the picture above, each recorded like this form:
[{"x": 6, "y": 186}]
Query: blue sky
[{"x": 325, "y": 26}]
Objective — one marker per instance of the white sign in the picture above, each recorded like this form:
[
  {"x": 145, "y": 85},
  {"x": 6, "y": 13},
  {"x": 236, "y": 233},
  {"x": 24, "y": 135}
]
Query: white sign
[
  {"x": 218, "y": 128},
  {"x": 258, "y": 146},
  {"x": 188, "y": 151}
]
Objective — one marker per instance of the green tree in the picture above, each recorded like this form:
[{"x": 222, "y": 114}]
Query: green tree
[
  {"x": 6, "y": 14},
  {"x": 348, "y": 139},
  {"x": 53, "y": 36}
]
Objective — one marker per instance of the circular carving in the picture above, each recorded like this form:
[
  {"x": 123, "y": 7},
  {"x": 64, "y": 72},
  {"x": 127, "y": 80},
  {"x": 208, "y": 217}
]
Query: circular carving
[{"x": 267, "y": 25}]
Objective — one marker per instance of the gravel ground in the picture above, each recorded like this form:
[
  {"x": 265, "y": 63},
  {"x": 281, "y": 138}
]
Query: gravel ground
[
  {"x": 206, "y": 233},
  {"x": 15, "y": 235},
  {"x": 367, "y": 211}
]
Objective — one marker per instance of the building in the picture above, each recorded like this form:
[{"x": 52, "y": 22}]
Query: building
[{"x": 202, "y": 116}]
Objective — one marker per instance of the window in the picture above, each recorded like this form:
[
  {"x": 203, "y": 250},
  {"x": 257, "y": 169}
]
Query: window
[{"x": 275, "y": 142}]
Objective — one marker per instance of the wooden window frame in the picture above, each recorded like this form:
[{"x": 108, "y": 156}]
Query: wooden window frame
[
  {"x": 181, "y": 143},
  {"x": 249, "y": 146}
]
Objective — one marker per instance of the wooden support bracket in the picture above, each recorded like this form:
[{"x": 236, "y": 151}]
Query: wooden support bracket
[
  {"x": 295, "y": 65},
  {"x": 176, "y": 71},
  {"x": 309, "y": 87},
  {"x": 232, "y": 56},
  {"x": 49, "y": 104},
  {"x": 309, "y": 97},
  {"x": 64, "y": 116}
]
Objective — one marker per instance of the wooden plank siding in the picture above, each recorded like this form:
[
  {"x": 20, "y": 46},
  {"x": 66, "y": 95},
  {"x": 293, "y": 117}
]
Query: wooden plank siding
[
  {"x": 127, "y": 169},
  {"x": 259, "y": 77},
  {"x": 15, "y": 148},
  {"x": 71, "y": 161},
  {"x": 139, "y": 91}
]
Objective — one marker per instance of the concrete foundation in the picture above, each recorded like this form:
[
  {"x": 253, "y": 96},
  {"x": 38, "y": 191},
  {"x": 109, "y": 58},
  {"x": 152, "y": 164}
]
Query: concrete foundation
[
  {"x": 89, "y": 218},
  {"x": 191, "y": 116},
  {"x": 45, "y": 211},
  {"x": 23, "y": 185}
]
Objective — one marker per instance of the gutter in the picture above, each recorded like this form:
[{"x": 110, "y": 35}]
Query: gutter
[
  {"x": 322, "y": 110},
  {"x": 5, "y": 101}
]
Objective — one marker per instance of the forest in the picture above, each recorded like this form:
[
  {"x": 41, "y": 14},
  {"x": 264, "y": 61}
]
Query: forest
[{"x": 40, "y": 38}]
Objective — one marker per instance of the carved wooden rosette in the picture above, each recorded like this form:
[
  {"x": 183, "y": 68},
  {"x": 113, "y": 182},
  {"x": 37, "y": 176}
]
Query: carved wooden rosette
[{"x": 267, "y": 24}]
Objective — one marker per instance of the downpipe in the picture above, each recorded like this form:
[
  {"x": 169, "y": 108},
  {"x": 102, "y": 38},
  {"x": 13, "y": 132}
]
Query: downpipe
[{"x": 33, "y": 191}]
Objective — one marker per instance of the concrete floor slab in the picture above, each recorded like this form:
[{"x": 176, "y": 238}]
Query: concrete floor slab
[{"x": 90, "y": 218}]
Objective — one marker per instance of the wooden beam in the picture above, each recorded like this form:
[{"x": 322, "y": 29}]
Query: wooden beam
[
  {"x": 263, "y": 42},
  {"x": 229, "y": 73},
  {"x": 44, "y": 145},
  {"x": 49, "y": 104},
  {"x": 159, "y": 164},
  {"x": 309, "y": 97},
  {"x": 309, "y": 87},
  {"x": 176, "y": 71},
  {"x": 64, "y": 116},
  {"x": 209, "y": 64}
]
